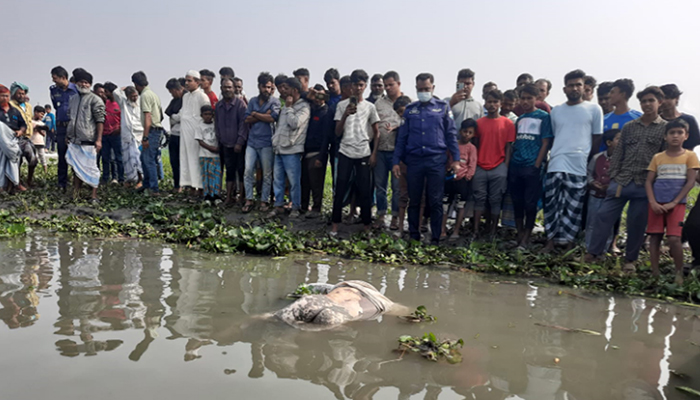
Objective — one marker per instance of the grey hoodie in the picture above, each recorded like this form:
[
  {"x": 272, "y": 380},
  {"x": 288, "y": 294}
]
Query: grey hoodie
[
  {"x": 290, "y": 136},
  {"x": 86, "y": 110}
]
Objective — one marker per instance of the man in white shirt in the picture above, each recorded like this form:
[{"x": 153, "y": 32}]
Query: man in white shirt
[
  {"x": 356, "y": 125},
  {"x": 577, "y": 126},
  {"x": 190, "y": 123}
]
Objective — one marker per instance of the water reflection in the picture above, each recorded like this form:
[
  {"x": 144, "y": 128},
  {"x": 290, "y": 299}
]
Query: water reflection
[{"x": 125, "y": 298}]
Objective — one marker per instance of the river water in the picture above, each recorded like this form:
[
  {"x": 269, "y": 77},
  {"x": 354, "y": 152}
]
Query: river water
[{"x": 85, "y": 318}]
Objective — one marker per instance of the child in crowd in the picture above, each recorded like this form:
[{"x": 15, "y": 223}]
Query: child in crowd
[
  {"x": 39, "y": 136},
  {"x": 510, "y": 101},
  {"x": 671, "y": 176},
  {"x": 534, "y": 133},
  {"x": 599, "y": 180},
  {"x": 495, "y": 135},
  {"x": 209, "y": 162},
  {"x": 458, "y": 187},
  {"x": 400, "y": 106}
]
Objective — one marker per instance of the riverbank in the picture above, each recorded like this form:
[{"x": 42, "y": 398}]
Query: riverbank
[{"x": 177, "y": 218}]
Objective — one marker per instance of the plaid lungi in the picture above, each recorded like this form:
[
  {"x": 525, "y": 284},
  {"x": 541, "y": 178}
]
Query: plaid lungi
[
  {"x": 563, "y": 206},
  {"x": 211, "y": 175}
]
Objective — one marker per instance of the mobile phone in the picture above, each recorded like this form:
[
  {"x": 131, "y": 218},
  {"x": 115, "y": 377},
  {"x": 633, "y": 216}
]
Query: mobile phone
[
  {"x": 353, "y": 100},
  {"x": 460, "y": 85}
]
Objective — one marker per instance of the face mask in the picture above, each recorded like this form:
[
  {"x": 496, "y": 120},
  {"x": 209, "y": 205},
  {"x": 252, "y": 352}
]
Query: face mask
[{"x": 424, "y": 97}]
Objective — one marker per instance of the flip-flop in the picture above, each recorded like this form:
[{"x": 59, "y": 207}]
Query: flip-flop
[
  {"x": 246, "y": 208},
  {"x": 453, "y": 238}
]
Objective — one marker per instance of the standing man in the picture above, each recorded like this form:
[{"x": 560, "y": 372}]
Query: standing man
[
  {"x": 619, "y": 95},
  {"x": 19, "y": 101},
  {"x": 84, "y": 134},
  {"x": 11, "y": 117},
  {"x": 190, "y": 123},
  {"x": 422, "y": 144},
  {"x": 288, "y": 143},
  {"x": 669, "y": 111},
  {"x": 232, "y": 134},
  {"x": 238, "y": 90},
  {"x": 332, "y": 79},
  {"x": 226, "y": 72},
  {"x": 61, "y": 92},
  {"x": 50, "y": 121},
  {"x": 376, "y": 88},
  {"x": 315, "y": 160},
  {"x": 523, "y": 79},
  {"x": 302, "y": 74},
  {"x": 640, "y": 140},
  {"x": 577, "y": 126},
  {"x": 356, "y": 125},
  {"x": 603, "y": 93},
  {"x": 589, "y": 84},
  {"x": 544, "y": 86},
  {"x": 207, "y": 80},
  {"x": 111, "y": 139},
  {"x": 261, "y": 115},
  {"x": 462, "y": 103},
  {"x": 173, "y": 112},
  {"x": 389, "y": 122},
  {"x": 151, "y": 116}
]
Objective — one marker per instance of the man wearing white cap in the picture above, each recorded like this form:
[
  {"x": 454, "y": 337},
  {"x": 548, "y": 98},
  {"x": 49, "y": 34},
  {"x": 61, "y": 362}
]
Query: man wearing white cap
[{"x": 192, "y": 103}]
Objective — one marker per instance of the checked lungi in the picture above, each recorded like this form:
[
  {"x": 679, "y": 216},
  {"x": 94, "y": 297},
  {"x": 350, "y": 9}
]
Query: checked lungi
[
  {"x": 210, "y": 168},
  {"x": 563, "y": 206}
]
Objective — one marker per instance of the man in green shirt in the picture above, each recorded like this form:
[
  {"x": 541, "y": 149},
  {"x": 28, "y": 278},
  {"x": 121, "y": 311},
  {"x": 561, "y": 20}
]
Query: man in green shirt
[{"x": 151, "y": 119}]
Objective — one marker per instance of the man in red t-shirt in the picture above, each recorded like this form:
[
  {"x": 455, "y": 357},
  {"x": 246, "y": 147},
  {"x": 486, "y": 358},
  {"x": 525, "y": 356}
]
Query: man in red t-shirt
[
  {"x": 495, "y": 135},
  {"x": 207, "y": 80}
]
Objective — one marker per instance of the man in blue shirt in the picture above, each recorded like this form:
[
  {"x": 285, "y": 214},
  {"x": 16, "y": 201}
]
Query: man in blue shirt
[
  {"x": 620, "y": 93},
  {"x": 263, "y": 111},
  {"x": 422, "y": 144},
  {"x": 61, "y": 92}
]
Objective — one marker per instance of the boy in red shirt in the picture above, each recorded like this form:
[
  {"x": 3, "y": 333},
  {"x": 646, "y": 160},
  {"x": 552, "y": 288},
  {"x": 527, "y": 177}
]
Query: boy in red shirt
[
  {"x": 495, "y": 135},
  {"x": 458, "y": 188}
]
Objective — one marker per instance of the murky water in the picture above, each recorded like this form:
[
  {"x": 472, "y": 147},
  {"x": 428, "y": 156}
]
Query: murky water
[{"x": 83, "y": 318}]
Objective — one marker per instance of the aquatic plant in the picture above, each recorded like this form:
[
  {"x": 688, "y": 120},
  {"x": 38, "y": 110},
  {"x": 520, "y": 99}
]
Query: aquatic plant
[
  {"x": 419, "y": 315},
  {"x": 432, "y": 348}
]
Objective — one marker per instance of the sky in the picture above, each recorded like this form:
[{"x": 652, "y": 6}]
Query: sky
[{"x": 650, "y": 42}]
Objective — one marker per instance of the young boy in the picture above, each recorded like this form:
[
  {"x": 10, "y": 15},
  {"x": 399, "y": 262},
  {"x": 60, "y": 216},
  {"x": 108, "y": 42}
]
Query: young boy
[
  {"x": 599, "y": 180},
  {"x": 495, "y": 134},
  {"x": 534, "y": 132},
  {"x": 209, "y": 162},
  {"x": 510, "y": 100},
  {"x": 39, "y": 136},
  {"x": 400, "y": 107},
  {"x": 458, "y": 188},
  {"x": 671, "y": 176}
]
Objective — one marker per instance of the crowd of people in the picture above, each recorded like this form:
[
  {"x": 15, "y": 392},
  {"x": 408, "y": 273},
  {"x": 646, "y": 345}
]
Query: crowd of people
[{"x": 502, "y": 161}]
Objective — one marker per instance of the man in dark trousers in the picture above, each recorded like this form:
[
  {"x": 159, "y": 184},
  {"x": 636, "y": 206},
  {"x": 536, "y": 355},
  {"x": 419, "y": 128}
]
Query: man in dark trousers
[
  {"x": 422, "y": 144},
  {"x": 61, "y": 92}
]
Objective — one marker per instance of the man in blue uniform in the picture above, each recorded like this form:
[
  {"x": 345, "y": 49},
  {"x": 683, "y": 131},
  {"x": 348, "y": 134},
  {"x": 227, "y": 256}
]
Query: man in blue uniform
[
  {"x": 61, "y": 93},
  {"x": 425, "y": 137}
]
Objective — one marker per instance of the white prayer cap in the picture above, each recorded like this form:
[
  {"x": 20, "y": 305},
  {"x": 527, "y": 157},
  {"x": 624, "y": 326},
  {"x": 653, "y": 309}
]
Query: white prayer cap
[{"x": 193, "y": 73}]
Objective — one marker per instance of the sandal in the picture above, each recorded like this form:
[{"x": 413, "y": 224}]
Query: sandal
[
  {"x": 394, "y": 225},
  {"x": 629, "y": 268},
  {"x": 246, "y": 208},
  {"x": 453, "y": 238},
  {"x": 264, "y": 207}
]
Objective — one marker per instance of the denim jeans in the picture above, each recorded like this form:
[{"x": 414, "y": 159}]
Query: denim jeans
[
  {"x": 288, "y": 166},
  {"x": 149, "y": 160},
  {"x": 174, "y": 152},
  {"x": 385, "y": 161},
  {"x": 610, "y": 211},
  {"x": 112, "y": 143},
  {"x": 266, "y": 158}
]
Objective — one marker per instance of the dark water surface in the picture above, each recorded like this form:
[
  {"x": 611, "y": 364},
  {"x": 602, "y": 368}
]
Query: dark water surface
[{"x": 83, "y": 318}]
